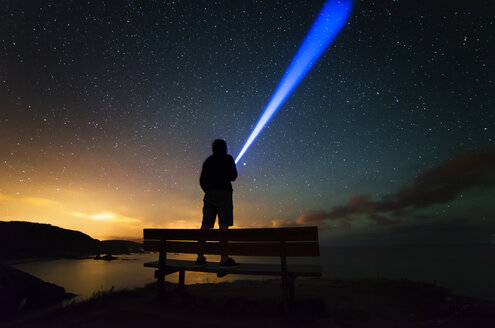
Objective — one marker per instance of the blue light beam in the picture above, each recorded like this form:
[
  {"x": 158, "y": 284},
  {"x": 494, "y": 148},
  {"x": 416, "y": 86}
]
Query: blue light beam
[{"x": 330, "y": 21}]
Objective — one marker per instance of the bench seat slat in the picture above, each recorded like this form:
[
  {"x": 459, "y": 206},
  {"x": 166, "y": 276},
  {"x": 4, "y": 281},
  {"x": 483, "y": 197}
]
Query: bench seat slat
[
  {"x": 255, "y": 234},
  {"x": 244, "y": 268},
  {"x": 300, "y": 249}
]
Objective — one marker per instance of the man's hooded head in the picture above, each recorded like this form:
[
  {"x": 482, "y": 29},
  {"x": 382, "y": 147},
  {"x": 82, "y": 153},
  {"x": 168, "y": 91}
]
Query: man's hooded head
[{"x": 219, "y": 147}]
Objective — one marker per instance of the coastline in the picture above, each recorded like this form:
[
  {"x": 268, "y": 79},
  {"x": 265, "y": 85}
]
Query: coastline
[
  {"x": 246, "y": 303},
  {"x": 448, "y": 266},
  {"x": 21, "y": 292},
  {"x": 82, "y": 257}
]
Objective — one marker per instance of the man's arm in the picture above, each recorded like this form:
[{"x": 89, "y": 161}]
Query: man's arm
[
  {"x": 202, "y": 178},
  {"x": 233, "y": 169}
]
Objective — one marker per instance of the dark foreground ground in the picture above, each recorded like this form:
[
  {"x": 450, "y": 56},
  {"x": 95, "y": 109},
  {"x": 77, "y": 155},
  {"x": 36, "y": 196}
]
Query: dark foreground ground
[
  {"x": 22, "y": 293},
  {"x": 255, "y": 304}
]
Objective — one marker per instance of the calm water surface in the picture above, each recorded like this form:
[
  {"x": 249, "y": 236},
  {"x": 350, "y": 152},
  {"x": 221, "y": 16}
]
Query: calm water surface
[
  {"x": 87, "y": 276},
  {"x": 467, "y": 270}
]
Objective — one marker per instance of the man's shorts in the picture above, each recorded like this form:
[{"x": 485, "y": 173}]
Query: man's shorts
[{"x": 218, "y": 202}]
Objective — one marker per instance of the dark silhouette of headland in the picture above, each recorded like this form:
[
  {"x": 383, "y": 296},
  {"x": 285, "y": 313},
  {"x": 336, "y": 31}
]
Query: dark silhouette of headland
[{"x": 27, "y": 240}]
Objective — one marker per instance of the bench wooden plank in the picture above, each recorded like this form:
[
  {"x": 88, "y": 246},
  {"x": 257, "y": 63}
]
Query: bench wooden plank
[
  {"x": 280, "y": 242},
  {"x": 254, "y": 234},
  {"x": 300, "y": 249},
  {"x": 303, "y": 270}
]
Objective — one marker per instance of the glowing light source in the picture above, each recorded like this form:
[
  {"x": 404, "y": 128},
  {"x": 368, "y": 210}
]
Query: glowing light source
[
  {"x": 330, "y": 21},
  {"x": 107, "y": 216}
]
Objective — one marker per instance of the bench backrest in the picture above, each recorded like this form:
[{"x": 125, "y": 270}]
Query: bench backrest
[{"x": 293, "y": 241}]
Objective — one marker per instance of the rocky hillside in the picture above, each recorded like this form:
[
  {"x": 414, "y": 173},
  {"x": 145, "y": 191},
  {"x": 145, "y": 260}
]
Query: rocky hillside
[{"x": 22, "y": 240}]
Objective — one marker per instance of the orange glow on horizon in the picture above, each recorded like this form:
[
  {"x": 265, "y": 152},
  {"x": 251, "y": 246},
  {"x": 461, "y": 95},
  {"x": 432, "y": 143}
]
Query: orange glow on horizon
[{"x": 109, "y": 215}]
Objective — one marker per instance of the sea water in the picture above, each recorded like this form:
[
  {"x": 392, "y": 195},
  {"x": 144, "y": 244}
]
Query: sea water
[{"x": 464, "y": 269}]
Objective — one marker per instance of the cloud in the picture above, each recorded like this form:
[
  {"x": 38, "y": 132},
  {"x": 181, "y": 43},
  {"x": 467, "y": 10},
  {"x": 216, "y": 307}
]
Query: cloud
[
  {"x": 445, "y": 182},
  {"x": 312, "y": 218},
  {"x": 438, "y": 185},
  {"x": 40, "y": 201},
  {"x": 345, "y": 225},
  {"x": 282, "y": 223},
  {"x": 27, "y": 200},
  {"x": 5, "y": 197},
  {"x": 183, "y": 224},
  {"x": 380, "y": 219}
]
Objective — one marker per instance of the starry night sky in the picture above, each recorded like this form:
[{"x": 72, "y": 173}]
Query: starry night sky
[{"x": 109, "y": 108}]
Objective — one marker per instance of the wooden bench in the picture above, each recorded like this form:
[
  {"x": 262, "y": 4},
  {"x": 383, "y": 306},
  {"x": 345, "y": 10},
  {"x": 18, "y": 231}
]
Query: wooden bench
[{"x": 270, "y": 242}]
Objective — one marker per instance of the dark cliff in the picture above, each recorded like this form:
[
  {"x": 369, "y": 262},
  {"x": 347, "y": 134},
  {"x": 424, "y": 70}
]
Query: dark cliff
[{"x": 22, "y": 240}]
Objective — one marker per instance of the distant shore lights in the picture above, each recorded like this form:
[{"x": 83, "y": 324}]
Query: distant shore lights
[{"x": 329, "y": 22}]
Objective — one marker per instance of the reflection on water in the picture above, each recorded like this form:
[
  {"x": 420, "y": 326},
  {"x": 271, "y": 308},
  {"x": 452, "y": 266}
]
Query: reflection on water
[
  {"x": 86, "y": 277},
  {"x": 465, "y": 270}
]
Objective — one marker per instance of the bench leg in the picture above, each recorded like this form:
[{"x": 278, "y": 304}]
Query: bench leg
[
  {"x": 288, "y": 291},
  {"x": 292, "y": 280},
  {"x": 285, "y": 295},
  {"x": 182, "y": 278},
  {"x": 162, "y": 269},
  {"x": 160, "y": 282}
]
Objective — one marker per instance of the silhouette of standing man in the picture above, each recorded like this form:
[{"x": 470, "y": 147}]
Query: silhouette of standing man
[{"x": 217, "y": 173}]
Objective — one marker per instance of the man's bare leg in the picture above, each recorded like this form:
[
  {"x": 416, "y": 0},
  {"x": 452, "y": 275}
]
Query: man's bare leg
[
  {"x": 226, "y": 260},
  {"x": 201, "y": 256},
  {"x": 223, "y": 244}
]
